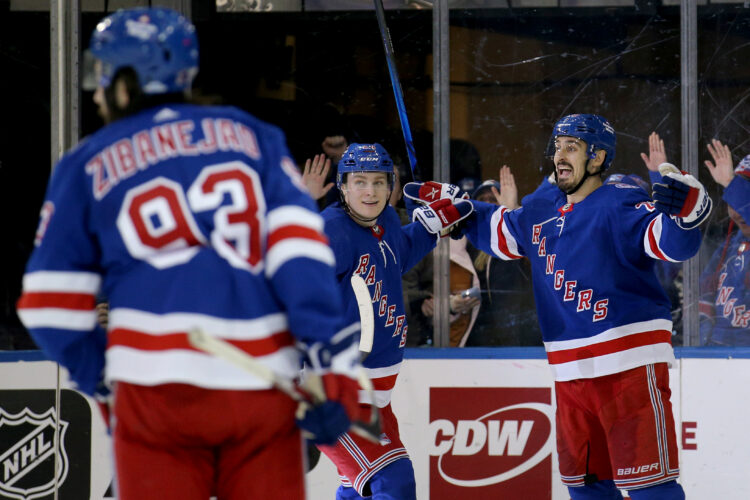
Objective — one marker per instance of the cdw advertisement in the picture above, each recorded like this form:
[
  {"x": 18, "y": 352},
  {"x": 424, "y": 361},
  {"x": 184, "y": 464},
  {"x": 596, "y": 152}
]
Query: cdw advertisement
[
  {"x": 489, "y": 443},
  {"x": 475, "y": 428}
]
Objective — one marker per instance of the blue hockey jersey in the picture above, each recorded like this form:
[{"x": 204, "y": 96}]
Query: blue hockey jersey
[
  {"x": 381, "y": 255},
  {"x": 600, "y": 306},
  {"x": 183, "y": 217},
  {"x": 725, "y": 285}
]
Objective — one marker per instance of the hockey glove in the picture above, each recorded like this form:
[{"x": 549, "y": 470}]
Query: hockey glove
[
  {"x": 417, "y": 194},
  {"x": 424, "y": 193},
  {"x": 438, "y": 217},
  {"x": 682, "y": 197},
  {"x": 332, "y": 388}
]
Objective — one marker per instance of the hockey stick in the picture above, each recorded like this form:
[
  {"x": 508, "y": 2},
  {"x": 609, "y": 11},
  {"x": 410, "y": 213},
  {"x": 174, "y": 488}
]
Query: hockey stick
[
  {"x": 228, "y": 352},
  {"x": 366, "y": 336},
  {"x": 398, "y": 94},
  {"x": 366, "y": 315}
]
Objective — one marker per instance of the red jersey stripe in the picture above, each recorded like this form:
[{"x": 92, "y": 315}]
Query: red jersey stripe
[
  {"x": 501, "y": 243},
  {"x": 384, "y": 383},
  {"x": 285, "y": 232},
  {"x": 610, "y": 346},
  {"x": 178, "y": 340},
  {"x": 653, "y": 243},
  {"x": 60, "y": 300}
]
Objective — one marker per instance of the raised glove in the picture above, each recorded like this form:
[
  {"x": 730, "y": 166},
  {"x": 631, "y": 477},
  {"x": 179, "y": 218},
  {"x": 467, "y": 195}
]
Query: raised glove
[
  {"x": 441, "y": 215},
  {"x": 417, "y": 194},
  {"x": 332, "y": 387},
  {"x": 682, "y": 197},
  {"x": 427, "y": 192}
]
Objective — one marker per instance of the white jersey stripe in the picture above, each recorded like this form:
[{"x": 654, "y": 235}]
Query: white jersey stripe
[
  {"x": 611, "y": 334},
  {"x": 232, "y": 329},
  {"x": 508, "y": 241},
  {"x": 53, "y": 317},
  {"x": 61, "y": 281},
  {"x": 294, "y": 216},
  {"x": 385, "y": 371},
  {"x": 192, "y": 367},
  {"x": 652, "y": 239},
  {"x": 614, "y": 363},
  {"x": 292, "y": 248},
  {"x": 381, "y": 398}
]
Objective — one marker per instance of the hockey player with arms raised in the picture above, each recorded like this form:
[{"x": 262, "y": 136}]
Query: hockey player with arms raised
[
  {"x": 188, "y": 218},
  {"x": 605, "y": 319},
  {"x": 368, "y": 240}
]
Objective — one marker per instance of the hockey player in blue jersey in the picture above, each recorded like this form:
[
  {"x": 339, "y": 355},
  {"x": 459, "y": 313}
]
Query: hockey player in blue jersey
[
  {"x": 605, "y": 319},
  {"x": 368, "y": 240},
  {"x": 188, "y": 217},
  {"x": 725, "y": 281}
]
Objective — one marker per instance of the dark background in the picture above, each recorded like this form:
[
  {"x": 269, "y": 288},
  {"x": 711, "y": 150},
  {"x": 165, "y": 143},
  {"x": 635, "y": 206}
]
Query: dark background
[{"x": 513, "y": 73}]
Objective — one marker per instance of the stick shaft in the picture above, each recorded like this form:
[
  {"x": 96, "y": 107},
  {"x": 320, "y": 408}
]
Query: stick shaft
[
  {"x": 224, "y": 350},
  {"x": 397, "y": 92}
]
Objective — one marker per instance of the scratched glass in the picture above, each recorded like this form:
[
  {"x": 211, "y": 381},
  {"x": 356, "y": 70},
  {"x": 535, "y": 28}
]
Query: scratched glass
[{"x": 515, "y": 68}]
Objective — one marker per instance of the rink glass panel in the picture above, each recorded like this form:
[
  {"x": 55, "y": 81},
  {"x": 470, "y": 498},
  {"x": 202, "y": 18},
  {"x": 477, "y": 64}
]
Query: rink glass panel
[
  {"x": 724, "y": 78},
  {"x": 24, "y": 152},
  {"x": 317, "y": 69},
  {"x": 514, "y": 72}
]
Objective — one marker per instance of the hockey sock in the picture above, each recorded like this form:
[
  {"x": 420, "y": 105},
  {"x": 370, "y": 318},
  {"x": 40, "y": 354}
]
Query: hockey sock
[
  {"x": 670, "y": 490},
  {"x": 394, "y": 482},
  {"x": 600, "y": 490}
]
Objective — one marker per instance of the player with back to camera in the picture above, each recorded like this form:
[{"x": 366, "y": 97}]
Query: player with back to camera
[
  {"x": 605, "y": 319},
  {"x": 187, "y": 217},
  {"x": 368, "y": 240}
]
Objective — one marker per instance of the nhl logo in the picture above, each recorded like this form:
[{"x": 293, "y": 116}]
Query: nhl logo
[{"x": 27, "y": 454}]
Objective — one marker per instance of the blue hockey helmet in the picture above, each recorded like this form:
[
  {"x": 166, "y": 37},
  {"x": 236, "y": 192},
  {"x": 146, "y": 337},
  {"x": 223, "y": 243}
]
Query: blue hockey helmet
[
  {"x": 159, "y": 44},
  {"x": 364, "y": 158},
  {"x": 594, "y": 130},
  {"x": 630, "y": 179}
]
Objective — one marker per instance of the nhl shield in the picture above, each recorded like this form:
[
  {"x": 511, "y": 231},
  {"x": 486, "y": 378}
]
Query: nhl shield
[
  {"x": 29, "y": 430},
  {"x": 27, "y": 461}
]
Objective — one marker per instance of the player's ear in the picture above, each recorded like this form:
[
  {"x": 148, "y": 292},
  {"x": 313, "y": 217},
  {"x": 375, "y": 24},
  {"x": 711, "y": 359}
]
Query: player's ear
[
  {"x": 598, "y": 158},
  {"x": 122, "y": 93}
]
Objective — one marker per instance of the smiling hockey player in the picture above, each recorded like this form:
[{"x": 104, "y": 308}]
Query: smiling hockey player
[{"x": 368, "y": 240}]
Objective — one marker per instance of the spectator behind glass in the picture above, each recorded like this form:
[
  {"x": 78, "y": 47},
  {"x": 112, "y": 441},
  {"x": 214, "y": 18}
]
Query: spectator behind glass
[
  {"x": 507, "y": 316},
  {"x": 464, "y": 301},
  {"x": 725, "y": 281}
]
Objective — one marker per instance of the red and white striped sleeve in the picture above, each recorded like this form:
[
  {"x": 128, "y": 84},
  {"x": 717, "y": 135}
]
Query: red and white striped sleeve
[
  {"x": 664, "y": 240},
  {"x": 293, "y": 232},
  {"x": 502, "y": 241},
  {"x": 64, "y": 300}
]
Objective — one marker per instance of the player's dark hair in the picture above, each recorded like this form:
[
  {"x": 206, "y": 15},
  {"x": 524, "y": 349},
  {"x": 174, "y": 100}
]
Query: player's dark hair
[{"x": 137, "y": 99}]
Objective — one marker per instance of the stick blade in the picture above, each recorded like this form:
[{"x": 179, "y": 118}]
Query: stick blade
[{"x": 366, "y": 315}]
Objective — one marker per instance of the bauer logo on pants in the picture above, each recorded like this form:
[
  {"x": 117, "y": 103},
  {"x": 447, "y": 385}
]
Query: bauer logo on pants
[
  {"x": 491, "y": 443},
  {"x": 29, "y": 466}
]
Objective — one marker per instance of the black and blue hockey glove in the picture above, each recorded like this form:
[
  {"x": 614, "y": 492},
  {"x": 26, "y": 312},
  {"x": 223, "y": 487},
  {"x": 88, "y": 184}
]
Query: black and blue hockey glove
[{"x": 682, "y": 197}]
